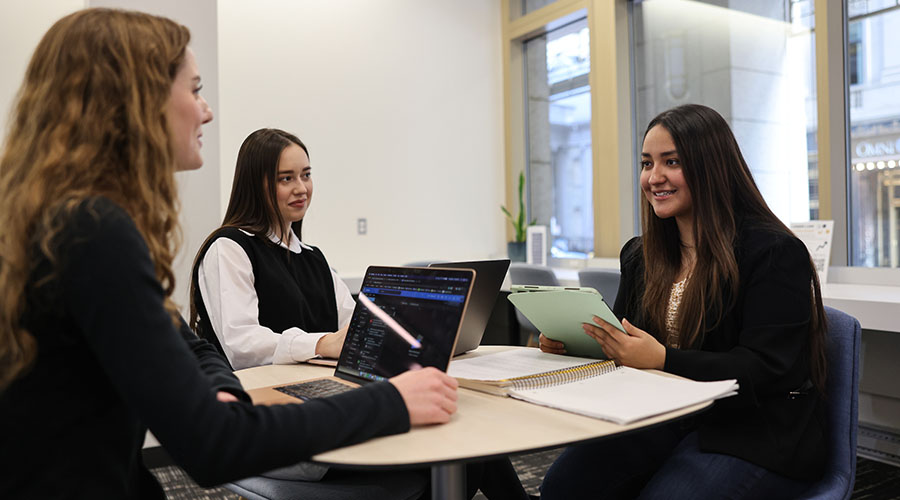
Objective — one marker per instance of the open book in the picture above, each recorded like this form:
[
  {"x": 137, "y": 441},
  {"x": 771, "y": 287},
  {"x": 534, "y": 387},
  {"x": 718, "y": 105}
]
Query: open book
[{"x": 588, "y": 387}]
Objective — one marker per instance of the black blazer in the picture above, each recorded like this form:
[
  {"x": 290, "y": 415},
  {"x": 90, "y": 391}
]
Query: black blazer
[{"x": 762, "y": 342}]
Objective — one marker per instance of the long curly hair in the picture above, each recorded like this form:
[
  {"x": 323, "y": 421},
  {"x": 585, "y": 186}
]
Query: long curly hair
[
  {"x": 723, "y": 194},
  {"x": 90, "y": 120}
]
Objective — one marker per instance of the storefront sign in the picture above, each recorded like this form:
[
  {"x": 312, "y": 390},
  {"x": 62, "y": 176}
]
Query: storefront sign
[{"x": 875, "y": 147}]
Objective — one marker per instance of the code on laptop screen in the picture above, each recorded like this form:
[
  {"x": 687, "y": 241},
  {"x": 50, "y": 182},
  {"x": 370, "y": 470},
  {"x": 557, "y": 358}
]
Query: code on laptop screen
[{"x": 427, "y": 303}]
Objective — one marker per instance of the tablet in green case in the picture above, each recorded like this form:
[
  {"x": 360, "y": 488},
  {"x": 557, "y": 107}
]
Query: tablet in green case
[{"x": 558, "y": 313}]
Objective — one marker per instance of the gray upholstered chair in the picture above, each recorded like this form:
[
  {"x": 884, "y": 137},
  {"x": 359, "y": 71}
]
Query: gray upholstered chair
[
  {"x": 530, "y": 274},
  {"x": 422, "y": 263},
  {"x": 605, "y": 281}
]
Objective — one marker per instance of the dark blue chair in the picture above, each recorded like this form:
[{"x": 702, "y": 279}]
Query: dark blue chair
[{"x": 842, "y": 407}]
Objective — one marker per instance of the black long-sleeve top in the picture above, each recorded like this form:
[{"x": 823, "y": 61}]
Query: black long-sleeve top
[
  {"x": 763, "y": 342},
  {"x": 111, "y": 364}
]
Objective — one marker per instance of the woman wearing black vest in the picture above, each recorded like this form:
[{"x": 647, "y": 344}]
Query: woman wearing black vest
[{"x": 258, "y": 293}]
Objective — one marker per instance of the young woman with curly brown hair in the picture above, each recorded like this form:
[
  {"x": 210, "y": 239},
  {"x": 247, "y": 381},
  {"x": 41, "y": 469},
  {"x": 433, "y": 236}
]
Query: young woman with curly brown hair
[{"x": 92, "y": 349}]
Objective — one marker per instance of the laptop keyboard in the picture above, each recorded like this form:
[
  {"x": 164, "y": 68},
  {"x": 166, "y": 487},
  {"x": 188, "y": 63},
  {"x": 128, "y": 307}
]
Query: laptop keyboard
[{"x": 314, "y": 389}]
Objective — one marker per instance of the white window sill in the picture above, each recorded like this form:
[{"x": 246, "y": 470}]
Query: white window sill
[{"x": 871, "y": 295}]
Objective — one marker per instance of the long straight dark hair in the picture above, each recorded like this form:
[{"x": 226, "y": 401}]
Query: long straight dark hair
[
  {"x": 723, "y": 195},
  {"x": 253, "y": 205}
]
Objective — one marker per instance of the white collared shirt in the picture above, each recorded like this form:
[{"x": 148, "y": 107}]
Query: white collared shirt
[{"x": 225, "y": 278}]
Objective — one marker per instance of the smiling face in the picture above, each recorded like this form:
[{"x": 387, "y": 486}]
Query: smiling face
[
  {"x": 662, "y": 178},
  {"x": 186, "y": 112},
  {"x": 293, "y": 182}
]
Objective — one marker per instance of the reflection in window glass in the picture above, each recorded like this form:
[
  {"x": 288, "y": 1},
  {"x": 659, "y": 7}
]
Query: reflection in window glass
[
  {"x": 559, "y": 138},
  {"x": 518, "y": 8},
  {"x": 754, "y": 64},
  {"x": 874, "y": 170},
  {"x": 854, "y": 53},
  {"x": 857, "y": 8}
]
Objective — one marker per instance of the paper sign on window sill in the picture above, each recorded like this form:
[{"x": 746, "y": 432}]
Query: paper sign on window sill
[{"x": 816, "y": 235}]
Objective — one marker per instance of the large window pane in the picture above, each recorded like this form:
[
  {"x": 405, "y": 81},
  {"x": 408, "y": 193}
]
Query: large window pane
[
  {"x": 754, "y": 64},
  {"x": 559, "y": 173},
  {"x": 874, "y": 170}
]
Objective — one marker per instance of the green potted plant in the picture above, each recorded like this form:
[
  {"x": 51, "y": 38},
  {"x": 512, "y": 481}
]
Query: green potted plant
[{"x": 516, "y": 248}]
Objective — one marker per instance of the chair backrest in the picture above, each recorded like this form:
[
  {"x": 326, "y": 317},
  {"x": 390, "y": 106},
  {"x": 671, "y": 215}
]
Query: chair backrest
[
  {"x": 841, "y": 407},
  {"x": 605, "y": 281},
  {"x": 422, "y": 263},
  {"x": 531, "y": 274}
]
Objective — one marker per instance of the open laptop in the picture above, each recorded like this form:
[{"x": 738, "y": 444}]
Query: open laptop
[
  {"x": 489, "y": 276},
  {"x": 425, "y": 307}
]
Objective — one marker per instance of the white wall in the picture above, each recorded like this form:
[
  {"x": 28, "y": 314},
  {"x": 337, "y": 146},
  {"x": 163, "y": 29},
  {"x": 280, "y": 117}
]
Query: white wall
[
  {"x": 400, "y": 103},
  {"x": 22, "y": 24}
]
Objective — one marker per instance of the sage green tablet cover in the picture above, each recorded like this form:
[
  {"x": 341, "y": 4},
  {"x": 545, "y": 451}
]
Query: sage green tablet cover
[{"x": 558, "y": 314}]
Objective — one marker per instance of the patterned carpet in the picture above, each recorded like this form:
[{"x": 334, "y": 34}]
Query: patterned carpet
[{"x": 874, "y": 480}]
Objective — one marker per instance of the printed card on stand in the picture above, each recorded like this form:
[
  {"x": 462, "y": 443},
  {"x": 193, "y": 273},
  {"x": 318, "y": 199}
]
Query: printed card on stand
[{"x": 817, "y": 235}]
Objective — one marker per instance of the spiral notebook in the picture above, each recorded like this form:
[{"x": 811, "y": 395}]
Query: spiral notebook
[
  {"x": 588, "y": 387},
  {"x": 527, "y": 368}
]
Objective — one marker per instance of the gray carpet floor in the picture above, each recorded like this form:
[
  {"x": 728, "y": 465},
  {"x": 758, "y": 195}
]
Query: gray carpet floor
[{"x": 874, "y": 480}]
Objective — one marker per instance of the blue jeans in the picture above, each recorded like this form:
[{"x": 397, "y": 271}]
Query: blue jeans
[{"x": 660, "y": 463}]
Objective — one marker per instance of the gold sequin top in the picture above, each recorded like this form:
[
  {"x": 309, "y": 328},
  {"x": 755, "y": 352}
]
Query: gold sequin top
[{"x": 672, "y": 313}]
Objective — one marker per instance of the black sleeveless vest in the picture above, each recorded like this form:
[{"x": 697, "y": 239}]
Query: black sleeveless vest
[{"x": 294, "y": 290}]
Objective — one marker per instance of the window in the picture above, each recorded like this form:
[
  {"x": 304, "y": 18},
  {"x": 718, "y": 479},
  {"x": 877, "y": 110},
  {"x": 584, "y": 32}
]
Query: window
[
  {"x": 557, "y": 67},
  {"x": 874, "y": 169},
  {"x": 854, "y": 52},
  {"x": 755, "y": 62},
  {"x": 519, "y": 8},
  {"x": 756, "y": 67}
]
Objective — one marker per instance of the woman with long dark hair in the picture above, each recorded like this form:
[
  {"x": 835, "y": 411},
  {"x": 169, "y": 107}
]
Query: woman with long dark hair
[
  {"x": 92, "y": 349},
  {"x": 258, "y": 292},
  {"x": 717, "y": 287}
]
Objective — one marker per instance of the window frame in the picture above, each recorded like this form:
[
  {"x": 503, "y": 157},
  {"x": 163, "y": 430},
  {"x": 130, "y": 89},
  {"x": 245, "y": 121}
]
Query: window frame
[
  {"x": 610, "y": 77},
  {"x": 612, "y": 101}
]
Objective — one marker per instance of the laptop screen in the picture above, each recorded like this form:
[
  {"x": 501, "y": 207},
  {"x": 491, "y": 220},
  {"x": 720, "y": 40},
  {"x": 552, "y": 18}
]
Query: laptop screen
[{"x": 428, "y": 303}]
